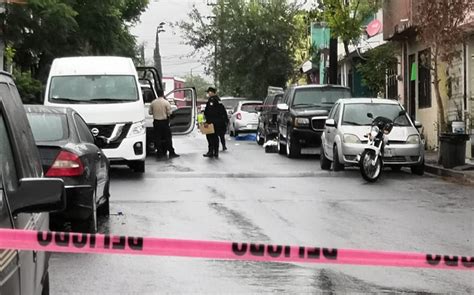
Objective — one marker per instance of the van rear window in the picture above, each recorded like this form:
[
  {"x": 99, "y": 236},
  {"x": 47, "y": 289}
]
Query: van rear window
[{"x": 93, "y": 89}]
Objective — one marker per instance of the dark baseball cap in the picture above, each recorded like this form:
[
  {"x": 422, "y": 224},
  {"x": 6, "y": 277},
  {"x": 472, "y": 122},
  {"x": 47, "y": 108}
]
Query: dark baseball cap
[{"x": 211, "y": 89}]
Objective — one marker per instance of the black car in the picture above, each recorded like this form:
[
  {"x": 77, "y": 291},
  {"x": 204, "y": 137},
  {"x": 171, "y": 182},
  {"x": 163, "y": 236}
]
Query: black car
[
  {"x": 302, "y": 116},
  {"x": 69, "y": 151},
  {"x": 23, "y": 194},
  {"x": 268, "y": 118}
]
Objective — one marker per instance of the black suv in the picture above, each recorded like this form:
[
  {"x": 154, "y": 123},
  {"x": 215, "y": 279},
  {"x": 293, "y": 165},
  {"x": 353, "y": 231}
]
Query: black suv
[
  {"x": 302, "y": 115},
  {"x": 267, "y": 120},
  {"x": 23, "y": 192}
]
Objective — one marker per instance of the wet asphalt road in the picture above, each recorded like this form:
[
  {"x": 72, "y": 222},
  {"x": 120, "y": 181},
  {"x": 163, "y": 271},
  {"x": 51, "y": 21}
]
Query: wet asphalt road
[{"x": 248, "y": 195}]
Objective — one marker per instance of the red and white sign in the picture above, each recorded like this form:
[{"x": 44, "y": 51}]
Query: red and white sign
[{"x": 374, "y": 27}]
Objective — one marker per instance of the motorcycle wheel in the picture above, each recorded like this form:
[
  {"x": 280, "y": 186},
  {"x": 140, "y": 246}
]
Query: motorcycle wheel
[{"x": 370, "y": 172}]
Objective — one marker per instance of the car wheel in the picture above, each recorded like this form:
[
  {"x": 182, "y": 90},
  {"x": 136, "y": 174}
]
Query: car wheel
[
  {"x": 260, "y": 139},
  {"x": 418, "y": 169},
  {"x": 337, "y": 166},
  {"x": 45, "y": 290},
  {"x": 138, "y": 166},
  {"x": 281, "y": 146},
  {"x": 104, "y": 209},
  {"x": 92, "y": 220},
  {"x": 324, "y": 162},
  {"x": 293, "y": 150}
]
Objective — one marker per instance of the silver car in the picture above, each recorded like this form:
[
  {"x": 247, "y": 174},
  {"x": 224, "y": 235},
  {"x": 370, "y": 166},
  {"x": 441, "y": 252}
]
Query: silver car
[
  {"x": 343, "y": 137},
  {"x": 244, "y": 118}
]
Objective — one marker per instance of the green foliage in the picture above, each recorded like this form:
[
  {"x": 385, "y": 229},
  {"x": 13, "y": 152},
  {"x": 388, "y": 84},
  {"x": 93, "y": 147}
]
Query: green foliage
[
  {"x": 346, "y": 21},
  {"x": 30, "y": 89},
  {"x": 197, "y": 82},
  {"x": 256, "y": 43},
  {"x": 45, "y": 29},
  {"x": 376, "y": 66}
]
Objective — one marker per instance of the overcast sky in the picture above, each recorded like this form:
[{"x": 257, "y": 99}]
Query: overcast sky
[{"x": 173, "y": 52}]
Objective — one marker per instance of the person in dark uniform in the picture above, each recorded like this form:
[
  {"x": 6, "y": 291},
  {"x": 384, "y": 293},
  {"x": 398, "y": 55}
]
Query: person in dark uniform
[
  {"x": 223, "y": 131},
  {"x": 215, "y": 114},
  {"x": 160, "y": 108}
]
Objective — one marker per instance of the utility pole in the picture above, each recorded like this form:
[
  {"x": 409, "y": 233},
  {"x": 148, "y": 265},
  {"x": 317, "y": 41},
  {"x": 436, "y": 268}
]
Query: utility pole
[{"x": 156, "y": 54}]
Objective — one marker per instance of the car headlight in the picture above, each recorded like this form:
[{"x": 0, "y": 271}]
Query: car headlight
[
  {"x": 137, "y": 128},
  {"x": 302, "y": 122},
  {"x": 413, "y": 139},
  {"x": 351, "y": 138}
]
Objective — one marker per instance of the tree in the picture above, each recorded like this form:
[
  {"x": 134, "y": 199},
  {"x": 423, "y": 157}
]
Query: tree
[
  {"x": 42, "y": 30},
  {"x": 374, "y": 68},
  {"x": 346, "y": 20},
  {"x": 197, "y": 82},
  {"x": 255, "y": 42},
  {"x": 443, "y": 35}
]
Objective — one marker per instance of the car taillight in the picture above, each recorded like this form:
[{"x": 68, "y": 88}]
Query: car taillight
[
  {"x": 66, "y": 164},
  {"x": 239, "y": 116}
]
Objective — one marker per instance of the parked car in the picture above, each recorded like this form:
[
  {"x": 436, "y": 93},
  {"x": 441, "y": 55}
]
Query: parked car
[
  {"x": 68, "y": 151},
  {"x": 230, "y": 103},
  {"x": 24, "y": 196},
  {"x": 268, "y": 118},
  {"x": 343, "y": 138},
  {"x": 302, "y": 115},
  {"x": 106, "y": 92},
  {"x": 244, "y": 118}
]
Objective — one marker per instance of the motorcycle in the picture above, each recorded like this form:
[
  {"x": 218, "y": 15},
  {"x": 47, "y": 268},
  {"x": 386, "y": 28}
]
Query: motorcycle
[{"x": 371, "y": 159}]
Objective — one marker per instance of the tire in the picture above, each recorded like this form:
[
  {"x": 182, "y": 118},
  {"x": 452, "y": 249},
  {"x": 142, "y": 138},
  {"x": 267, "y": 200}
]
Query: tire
[
  {"x": 104, "y": 209},
  {"x": 396, "y": 168},
  {"x": 418, "y": 169},
  {"x": 337, "y": 166},
  {"x": 138, "y": 166},
  {"x": 281, "y": 147},
  {"x": 91, "y": 222},
  {"x": 324, "y": 162},
  {"x": 260, "y": 139},
  {"x": 367, "y": 172},
  {"x": 45, "y": 290},
  {"x": 293, "y": 150}
]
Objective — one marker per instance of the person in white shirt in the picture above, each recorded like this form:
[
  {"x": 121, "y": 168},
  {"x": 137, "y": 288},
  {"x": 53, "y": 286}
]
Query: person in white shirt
[{"x": 160, "y": 108}]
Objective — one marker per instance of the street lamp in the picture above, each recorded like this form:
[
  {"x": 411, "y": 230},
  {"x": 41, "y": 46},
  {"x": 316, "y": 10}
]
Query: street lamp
[{"x": 156, "y": 54}]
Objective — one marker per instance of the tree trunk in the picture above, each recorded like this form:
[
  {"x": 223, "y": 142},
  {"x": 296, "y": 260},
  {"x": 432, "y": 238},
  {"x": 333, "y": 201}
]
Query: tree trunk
[
  {"x": 441, "y": 113},
  {"x": 346, "y": 47}
]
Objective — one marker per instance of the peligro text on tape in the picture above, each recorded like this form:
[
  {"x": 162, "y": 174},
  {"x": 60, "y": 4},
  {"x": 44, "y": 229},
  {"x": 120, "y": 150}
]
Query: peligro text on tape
[{"x": 108, "y": 244}]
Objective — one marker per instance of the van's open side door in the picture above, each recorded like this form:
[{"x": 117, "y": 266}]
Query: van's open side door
[
  {"x": 183, "y": 118},
  {"x": 150, "y": 74}
]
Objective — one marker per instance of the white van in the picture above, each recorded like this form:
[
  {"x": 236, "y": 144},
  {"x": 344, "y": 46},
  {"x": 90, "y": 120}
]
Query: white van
[{"x": 106, "y": 92}]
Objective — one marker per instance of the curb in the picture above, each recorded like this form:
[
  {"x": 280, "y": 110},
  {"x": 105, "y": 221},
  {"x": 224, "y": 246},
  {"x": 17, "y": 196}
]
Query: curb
[{"x": 443, "y": 172}]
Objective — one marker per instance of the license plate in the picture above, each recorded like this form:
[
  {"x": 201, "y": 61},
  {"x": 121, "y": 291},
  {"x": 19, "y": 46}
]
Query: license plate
[
  {"x": 388, "y": 153},
  {"x": 252, "y": 126}
]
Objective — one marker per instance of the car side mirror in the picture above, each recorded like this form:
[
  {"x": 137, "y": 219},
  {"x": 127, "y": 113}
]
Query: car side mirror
[
  {"x": 35, "y": 195},
  {"x": 402, "y": 113},
  {"x": 418, "y": 125},
  {"x": 370, "y": 115},
  {"x": 283, "y": 107},
  {"x": 330, "y": 123}
]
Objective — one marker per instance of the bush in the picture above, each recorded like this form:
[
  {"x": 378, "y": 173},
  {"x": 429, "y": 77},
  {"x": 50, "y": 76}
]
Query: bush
[{"x": 30, "y": 89}]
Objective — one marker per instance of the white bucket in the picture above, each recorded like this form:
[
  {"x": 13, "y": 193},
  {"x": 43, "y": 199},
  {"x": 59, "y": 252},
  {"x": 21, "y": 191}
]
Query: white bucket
[{"x": 459, "y": 127}]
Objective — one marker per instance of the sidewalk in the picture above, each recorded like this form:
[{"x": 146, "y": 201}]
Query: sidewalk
[{"x": 463, "y": 174}]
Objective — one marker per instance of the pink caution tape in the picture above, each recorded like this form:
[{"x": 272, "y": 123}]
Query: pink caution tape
[{"x": 107, "y": 244}]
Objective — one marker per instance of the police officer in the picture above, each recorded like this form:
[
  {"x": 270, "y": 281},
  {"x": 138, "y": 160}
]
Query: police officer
[
  {"x": 215, "y": 114},
  {"x": 160, "y": 108}
]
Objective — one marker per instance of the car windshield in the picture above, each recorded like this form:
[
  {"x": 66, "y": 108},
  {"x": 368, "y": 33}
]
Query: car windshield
[
  {"x": 319, "y": 96},
  {"x": 93, "y": 89},
  {"x": 48, "y": 127},
  {"x": 356, "y": 114},
  {"x": 250, "y": 107},
  {"x": 231, "y": 103}
]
